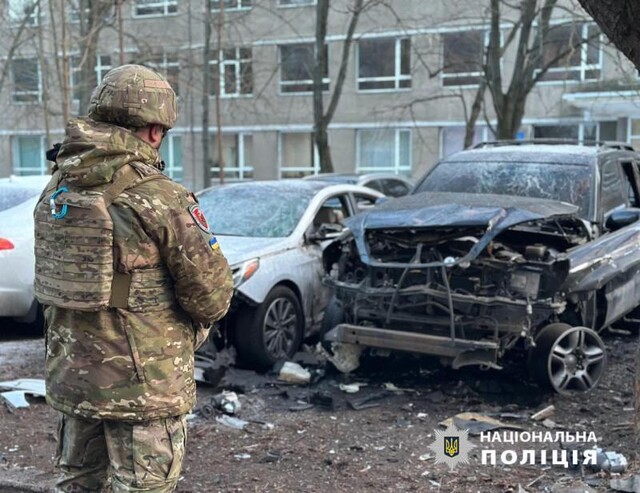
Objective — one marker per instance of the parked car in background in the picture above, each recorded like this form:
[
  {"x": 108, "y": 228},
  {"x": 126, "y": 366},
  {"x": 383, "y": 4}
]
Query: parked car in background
[
  {"x": 18, "y": 197},
  {"x": 272, "y": 234},
  {"x": 524, "y": 245},
  {"x": 387, "y": 183}
]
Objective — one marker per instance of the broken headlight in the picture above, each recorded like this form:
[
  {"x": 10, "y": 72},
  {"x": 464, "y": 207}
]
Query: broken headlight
[{"x": 525, "y": 282}]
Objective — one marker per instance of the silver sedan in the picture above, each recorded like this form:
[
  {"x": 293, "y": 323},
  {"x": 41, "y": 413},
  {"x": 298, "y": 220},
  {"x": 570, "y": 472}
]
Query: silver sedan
[{"x": 272, "y": 234}]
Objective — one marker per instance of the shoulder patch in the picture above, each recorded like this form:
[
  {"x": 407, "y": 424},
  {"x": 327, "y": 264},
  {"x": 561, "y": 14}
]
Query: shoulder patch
[{"x": 199, "y": 218}]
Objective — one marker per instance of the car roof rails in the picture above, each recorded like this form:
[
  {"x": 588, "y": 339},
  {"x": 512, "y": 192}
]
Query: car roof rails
[{"x": 609, "y": 144}]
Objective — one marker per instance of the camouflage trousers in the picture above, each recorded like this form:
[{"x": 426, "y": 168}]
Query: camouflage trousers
[{"x": 117, "y": 456}]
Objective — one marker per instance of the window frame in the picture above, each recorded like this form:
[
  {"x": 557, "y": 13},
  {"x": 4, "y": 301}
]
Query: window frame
[
  {"x": 444, "y": 76},
  {"x": 584, "y": 67},
  {"x": 237, "y": 8},
  {"x": 295, "y": 5},
  {"x": 314, "y": 169},
  {"x": 34, "y": 17},
  {"x": 167, "y": 61},
  {"x": 37, "y": 93},
  {"x": 244, "y": 170},
  {"x": 326, "y": 81},
  {"x": 397, "y": 78},
  {"x": 396, "y": 168},
  {"x": 164, "y": 4},
  {"x": 236, "y": 63},
  {"x": 171, "y": 167},
  {"x": 16, "y": 161}
]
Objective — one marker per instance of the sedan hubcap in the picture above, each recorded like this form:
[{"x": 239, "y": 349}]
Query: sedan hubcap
[{"x": 280, "y": 327}]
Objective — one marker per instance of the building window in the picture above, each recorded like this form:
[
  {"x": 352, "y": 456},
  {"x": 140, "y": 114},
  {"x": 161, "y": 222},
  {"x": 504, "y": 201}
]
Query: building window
[
  {"x": 387, "y": 150},
  {"x": 297, "y": 62},
  {"x": 297, "y": 155},
  {"x": 145, "y": 8},
  {"x": 169, "y": 66},
  {"x": 295, "y": 3},
  {"x": 237, "y": 152},
  {"x": 582, "y": 132},
  {"x": 452, "y": 138},
  {"x": 26, "y": 80},
  {"x": 18, "y": 10},
  {"x": 102, "y": 66},
  {"x": 572, "y": 52},
  {"x": 236, "y": 72},
  {"x": 462, "y": 57},
  {"x": 171, "y": 154},
  {"x": 231, "y": 5},
  {"x": 384, "y": 63},
  {"x": 28, "y": 155}
]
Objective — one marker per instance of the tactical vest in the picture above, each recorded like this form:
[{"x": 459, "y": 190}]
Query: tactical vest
[{"x": 74, "y": 252}]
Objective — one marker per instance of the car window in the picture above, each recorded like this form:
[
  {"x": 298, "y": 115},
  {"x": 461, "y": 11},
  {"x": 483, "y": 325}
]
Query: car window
[
  {"x": 394, "y": 188},
  {"x": 332, "y": 211},
  {"x": 375, "y": 184},
  {"x": 613, "y": 190}
]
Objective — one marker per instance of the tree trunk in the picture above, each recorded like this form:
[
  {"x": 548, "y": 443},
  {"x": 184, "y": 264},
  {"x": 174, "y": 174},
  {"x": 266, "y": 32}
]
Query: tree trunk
[
  {"x": 618, "y": 19},
  {"x": 320, "y": 136},
  {"x": 206, "y": 81}
]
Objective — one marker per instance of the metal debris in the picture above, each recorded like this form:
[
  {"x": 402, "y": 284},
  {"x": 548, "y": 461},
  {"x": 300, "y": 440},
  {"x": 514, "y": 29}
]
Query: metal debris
[{"x": 294, "y": 373}]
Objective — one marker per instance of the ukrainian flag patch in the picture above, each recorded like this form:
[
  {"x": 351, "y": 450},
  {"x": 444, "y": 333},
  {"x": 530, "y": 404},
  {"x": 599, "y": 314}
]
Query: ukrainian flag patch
[{"x": 213, "y": 243}]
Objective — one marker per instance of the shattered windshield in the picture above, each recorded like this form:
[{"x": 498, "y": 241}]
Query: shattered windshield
[
  {"x": 255, "y": 210},
  {"x": 563, "y": 182}
]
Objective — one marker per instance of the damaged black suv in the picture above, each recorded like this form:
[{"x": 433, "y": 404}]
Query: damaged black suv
[{"x": 533, "y": 245}]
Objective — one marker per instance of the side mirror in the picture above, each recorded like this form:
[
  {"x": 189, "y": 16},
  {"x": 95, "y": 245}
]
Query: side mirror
[
  {"x": 621, "y": 218},
  {"x": 382, "y": 200},
  {"x": 326, "y": 231}
]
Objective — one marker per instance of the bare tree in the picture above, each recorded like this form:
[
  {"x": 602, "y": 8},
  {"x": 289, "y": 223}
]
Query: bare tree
[
  {"x": 618, "y": 19},
  {"x": 321, "y": 118}
]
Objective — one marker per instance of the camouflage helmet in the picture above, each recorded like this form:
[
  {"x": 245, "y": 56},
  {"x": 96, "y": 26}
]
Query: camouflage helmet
[{"x": 134, "y": 96}]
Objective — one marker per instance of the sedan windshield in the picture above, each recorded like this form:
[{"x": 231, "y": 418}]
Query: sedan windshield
[
  {"x": 563, "y": 182},
  {"x": 256, "y": 210}
]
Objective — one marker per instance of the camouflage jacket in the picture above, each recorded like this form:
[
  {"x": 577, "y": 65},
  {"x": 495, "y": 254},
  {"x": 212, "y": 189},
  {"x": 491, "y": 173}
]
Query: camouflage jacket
[{"x": 120, "y": 363}]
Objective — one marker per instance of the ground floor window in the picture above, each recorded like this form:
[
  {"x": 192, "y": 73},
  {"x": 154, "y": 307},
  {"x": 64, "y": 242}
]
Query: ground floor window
[
  {"x": 28, "y": 154},
  {"x": 171, "y": 154},
  {"x": 298, "y": 155},
  {"x": 237, "y": 152},
  {"x": 383, "y": 150},
  {"x": 591, "y": 131}
]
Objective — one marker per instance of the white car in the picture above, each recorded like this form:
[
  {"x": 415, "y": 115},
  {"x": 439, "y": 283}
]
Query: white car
[
  {"x": 18, "y": 197},
  {"x": 272, "y": 234}
]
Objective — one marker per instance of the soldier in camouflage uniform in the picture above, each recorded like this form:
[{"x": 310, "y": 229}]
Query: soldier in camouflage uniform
[{"x": 131, "y": 279}]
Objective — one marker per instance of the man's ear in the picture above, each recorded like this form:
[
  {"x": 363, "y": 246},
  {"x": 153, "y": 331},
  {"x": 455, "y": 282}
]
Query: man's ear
[{"x": 156, "y": 133}]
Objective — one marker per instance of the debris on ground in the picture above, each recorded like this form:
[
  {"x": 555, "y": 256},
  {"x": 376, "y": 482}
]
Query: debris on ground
[
  {"x": 294, "y": 373},
  {"x": 227, "y": 402},
  {"x": 16, "y": 397},
  {"x": 477, "y": 423},
  {"x": 609, "y": 461},
  {"x": 351, "y": 388},
  {"x": 345, "y": 357},
  {"x": 368, "y": 401},
  {"x": 629, "y": 485},
  {"x": 231, "y": 422},
  {"x": 543, "y": 414}
]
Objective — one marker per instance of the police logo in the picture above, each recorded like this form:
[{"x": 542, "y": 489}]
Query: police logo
[{"x": 452, "y": 446}]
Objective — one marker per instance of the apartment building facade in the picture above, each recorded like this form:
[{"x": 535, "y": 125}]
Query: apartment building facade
[{"x": 414, "y": 70}]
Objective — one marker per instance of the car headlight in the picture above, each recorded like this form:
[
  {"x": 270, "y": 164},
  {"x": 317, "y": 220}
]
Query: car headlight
[
  {"x": 244, "y": 271},
  {"x": 525, "y": 282}
]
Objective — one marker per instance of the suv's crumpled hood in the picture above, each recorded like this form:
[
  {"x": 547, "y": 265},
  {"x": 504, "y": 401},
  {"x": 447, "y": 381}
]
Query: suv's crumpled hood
[{"x": 438, "y": 209}]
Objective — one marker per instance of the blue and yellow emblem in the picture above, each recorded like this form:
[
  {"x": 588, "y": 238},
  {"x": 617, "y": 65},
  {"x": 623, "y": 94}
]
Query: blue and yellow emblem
[
  {"x": 213, "y": 243},
  {"x": 451, "y": 446}
]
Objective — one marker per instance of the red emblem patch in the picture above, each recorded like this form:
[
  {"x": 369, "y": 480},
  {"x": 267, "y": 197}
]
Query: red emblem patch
[{"x": 198, "y": 217}]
